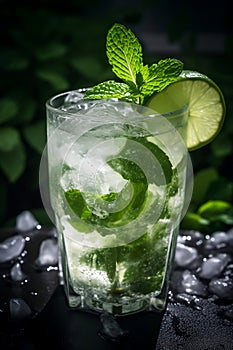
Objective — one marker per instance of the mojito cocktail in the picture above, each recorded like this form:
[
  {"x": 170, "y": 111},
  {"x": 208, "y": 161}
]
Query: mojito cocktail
[
  {"x": 120, "y": 178},
  {"x": 117, "y": 185}
]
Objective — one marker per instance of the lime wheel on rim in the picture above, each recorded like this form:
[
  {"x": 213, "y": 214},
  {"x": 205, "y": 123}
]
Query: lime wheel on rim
[{"x": 205, "y": 103}]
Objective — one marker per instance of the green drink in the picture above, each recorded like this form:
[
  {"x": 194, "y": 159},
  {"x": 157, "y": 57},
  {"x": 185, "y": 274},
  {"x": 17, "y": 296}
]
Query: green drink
[{"x": 117, "y": 185}]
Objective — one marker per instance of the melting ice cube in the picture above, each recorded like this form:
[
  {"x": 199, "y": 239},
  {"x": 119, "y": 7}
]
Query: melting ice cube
[
  {"x": 48, "y": 253},
  {"x": 185, "y": 255},
  {"x": 192, "y": 285},
  {"x": 11, "y": 248},
  {"x": 214, "y": 266},
  {"x": 26, "y": 221},
  {"x": 111, "y": 328},
  {"x": 17, "y": 274},
  {"x": 222, "y": 287}
]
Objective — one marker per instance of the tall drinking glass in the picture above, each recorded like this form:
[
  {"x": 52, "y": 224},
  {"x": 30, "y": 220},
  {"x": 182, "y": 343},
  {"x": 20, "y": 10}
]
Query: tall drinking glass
[{"x": 118, "y": 190}]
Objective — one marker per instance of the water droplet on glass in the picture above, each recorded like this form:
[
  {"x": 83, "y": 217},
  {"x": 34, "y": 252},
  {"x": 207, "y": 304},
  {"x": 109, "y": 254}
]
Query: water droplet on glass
[{"x": 11, "y": 248}]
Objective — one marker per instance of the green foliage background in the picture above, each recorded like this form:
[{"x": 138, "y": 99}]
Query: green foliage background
[{"x": 47, "y": 49}]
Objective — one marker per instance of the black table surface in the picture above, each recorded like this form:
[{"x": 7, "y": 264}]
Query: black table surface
[{"x": 189, "y": 322}]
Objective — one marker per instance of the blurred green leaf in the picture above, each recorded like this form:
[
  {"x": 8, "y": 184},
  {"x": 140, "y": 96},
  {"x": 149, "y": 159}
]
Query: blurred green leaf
[
  {"x": 57, "y": 81},
  {"x": 222, "y": 146},
  {"x": 202, "y": 182},
  {"x": 211, "y": 216},
  {"x": 8, "y": 109},
  {"x": 42, "y": 217},
  {"x": 89, "y": 67},
  {"x": 13, "y": 60},
  {"x": 13, "y": 162},
  {"x": 27, "y": 109},
  {"x": 35, "y": 134},
  {"x": 49, "y": 51},
  {"x": 212, "y": 209},
  {"x": 9, "y": 138},
  {"x": 3, "y": 202},
  {"x": 193, "y": 221},
  {"x": 221, "y": 188}
]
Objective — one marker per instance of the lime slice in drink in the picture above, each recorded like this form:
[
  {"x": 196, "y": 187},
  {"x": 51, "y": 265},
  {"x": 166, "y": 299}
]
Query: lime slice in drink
[{"x": 206, "y": 106}]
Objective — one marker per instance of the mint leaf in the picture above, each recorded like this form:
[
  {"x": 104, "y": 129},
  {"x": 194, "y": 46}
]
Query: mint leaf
[
  {"x": 158, "y": 76},
  {"x": 110, "y": 197},
  {"x": 110, "y": 260},
  {"x": 128, "y": 169},
  {"x": 77, "y": 203},
  {"x": 111, "y": 89},
  {"x": 124, "y": 53}
]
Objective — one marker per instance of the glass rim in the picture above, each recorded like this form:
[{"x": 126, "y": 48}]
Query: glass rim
[{"x": 49, "y": 105}]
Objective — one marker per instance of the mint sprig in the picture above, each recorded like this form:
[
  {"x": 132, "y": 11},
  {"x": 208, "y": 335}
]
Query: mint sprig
[
  {"x": 140, "y": 81},
  {"x": 124, "y": 53}
]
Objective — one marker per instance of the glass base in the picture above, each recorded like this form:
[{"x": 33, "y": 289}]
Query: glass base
[
  {"x": 99, "y": 299},
  {"x": 92, "y": 301}
]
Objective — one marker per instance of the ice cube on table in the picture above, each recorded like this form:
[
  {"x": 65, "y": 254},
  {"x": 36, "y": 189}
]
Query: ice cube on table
[
  {"x": 17, "y": 274},
  {"x": 11, "y": 248},
  {"x": 19, "y": 309},
  {"x": 185, "y": 255},
  {"x": 25, "y": 221},
  {"x": 48, "y": 253},
  {"x": 111, "y": 328},
  {"x": 222, "y": 287},
  {"x": 219, "y": 239},
  {"x": 213, "y": 266},
  {"x": 192, "y": 285}
]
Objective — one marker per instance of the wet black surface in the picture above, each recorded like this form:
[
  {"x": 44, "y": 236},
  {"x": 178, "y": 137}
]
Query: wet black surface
[{"x": 199, "y": 313}]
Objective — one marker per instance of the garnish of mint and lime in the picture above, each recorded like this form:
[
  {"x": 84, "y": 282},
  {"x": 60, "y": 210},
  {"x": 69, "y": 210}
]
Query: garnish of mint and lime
[
  {"x": 163, "y": 86},
  {"x": 140, "y": 81}
]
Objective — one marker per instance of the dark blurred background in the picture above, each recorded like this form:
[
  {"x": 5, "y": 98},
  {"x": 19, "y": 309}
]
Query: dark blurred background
[{"x": 49, "y": 47}]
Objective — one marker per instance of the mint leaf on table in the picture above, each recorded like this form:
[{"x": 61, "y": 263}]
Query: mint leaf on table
[{"x": 140, "y": 81}]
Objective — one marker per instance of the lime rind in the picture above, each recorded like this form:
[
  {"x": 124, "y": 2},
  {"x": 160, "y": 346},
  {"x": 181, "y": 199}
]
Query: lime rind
[{"x": 206, "y": 106}]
